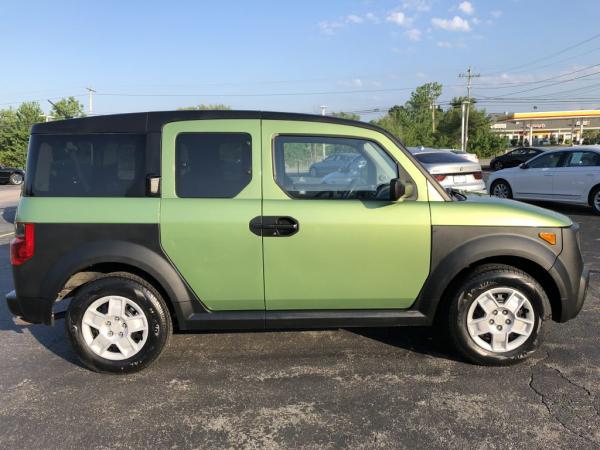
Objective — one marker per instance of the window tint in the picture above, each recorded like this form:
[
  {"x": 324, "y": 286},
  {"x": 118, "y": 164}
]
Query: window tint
[
  {"x": 439, "y": 158},
  {"x": 212, "y": 165},
  {"x": 518, "y": 152},
  {"x": 93, "y": 165},
  {"x": 362, "y": 171},
  {"x": 546, "y": 161},
  {"x": 583, "y": 159}
]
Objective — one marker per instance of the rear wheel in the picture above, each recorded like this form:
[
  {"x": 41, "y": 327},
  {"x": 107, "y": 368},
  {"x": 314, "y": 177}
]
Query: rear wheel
[
  {"x": 118, "y": 323},
  {"x": 501, "y": 189},
  {"x": 496, "y": 315},
  {"x": 15, "y": 179},
  {"x": 595, "y": 200}
]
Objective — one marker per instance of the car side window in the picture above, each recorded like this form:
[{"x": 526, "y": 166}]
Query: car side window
[
  {"x": 518, "y": 152},
  {"x": 546, "y": 161},
  {"x": 212, "y": 165},
  {"x": 583, "y": 159},
  {"x": 364, "y": 171}
]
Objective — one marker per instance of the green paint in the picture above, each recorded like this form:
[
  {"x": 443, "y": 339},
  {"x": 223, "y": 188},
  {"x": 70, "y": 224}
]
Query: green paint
[
  {"x": 491, "y": 211},
  {"x": 208, "y": 240},
  {"x": 88, "y": 210},
  {"x": 348, "y": 254}
]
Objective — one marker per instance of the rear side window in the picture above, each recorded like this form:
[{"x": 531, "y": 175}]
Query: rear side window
[
  {"x": 212, "y": 165},
  {"x": 92, "y": 165}
]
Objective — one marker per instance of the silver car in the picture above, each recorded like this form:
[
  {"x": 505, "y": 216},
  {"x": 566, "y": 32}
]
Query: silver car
[{"x": 451, "y": 171}]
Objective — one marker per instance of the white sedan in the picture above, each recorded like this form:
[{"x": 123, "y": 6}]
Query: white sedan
[{"x": 567, "y": 176}]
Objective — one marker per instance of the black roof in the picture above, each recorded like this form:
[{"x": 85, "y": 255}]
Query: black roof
[{"x": 145, "y": 122}]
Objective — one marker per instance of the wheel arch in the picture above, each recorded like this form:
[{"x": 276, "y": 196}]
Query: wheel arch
[
  {"x": 592, "y": 191},
  {"x": 452, "y": 264},
  {"x": 94, "y": 260}
]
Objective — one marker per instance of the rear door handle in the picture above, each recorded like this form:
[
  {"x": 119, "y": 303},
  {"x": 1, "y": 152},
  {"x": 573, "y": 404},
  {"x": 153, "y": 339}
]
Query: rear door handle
[{"x": 274, "y": 226}]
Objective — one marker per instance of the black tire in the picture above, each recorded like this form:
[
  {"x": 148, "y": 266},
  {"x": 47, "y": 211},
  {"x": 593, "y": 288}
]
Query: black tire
[
  {"x": 595, "y": 199},
  {"x": 498, "y": 165},
  {"x": 149, "y": 301},
  {"x": 480, "y": 281},
  {"x": 313, "y": 172},
  {"x": 15, "y": 179},
  {"x": 503, "y": 185}
]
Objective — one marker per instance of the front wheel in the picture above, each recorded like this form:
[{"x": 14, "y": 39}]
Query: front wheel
[
  {"x": 498, "y": 165},
  {"x": 501, "y": 189},
  {"x": 595, "y": 200},
  {"x": 496, "y": 315},
  {"x": 118, "y": 324},
  {"x": 15, "y": 179}
]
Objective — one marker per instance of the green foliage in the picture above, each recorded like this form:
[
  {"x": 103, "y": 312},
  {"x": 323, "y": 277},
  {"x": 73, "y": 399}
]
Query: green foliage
[
  {"x": 67, "y": 108},
  {"x": 344, "y": 115},
  {"x": 412, "y": 123},
  {"x": 14, "y": 132},
  {"x": 205, "y": 108}
]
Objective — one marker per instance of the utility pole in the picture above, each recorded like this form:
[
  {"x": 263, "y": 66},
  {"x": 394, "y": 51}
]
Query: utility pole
[
  {"x": 433, "y": 115},
  {"x": 469, "y": 76},
  {"x": 91, "y": 93}
]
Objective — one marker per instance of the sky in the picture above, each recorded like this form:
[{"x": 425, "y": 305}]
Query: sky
[{"x": 350, "y": 55}]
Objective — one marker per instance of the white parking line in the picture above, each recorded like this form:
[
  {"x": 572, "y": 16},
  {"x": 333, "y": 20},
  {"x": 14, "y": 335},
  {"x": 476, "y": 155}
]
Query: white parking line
[{"x": 7, "y": 234}]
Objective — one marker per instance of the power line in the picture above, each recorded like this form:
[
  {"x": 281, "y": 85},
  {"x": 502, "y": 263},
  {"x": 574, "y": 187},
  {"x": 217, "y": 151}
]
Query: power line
[{"x": 560, "y": 52}]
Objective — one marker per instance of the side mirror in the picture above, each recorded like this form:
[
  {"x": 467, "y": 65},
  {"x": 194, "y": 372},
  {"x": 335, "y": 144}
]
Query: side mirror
[
  {"x": 524, "y": 166},
  {"x": 399, "y": 190}
]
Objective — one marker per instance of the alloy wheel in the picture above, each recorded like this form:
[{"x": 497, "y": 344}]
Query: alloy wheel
[
  {"x": 501, "y": 190},
  {"x": 500, "y": 320}
]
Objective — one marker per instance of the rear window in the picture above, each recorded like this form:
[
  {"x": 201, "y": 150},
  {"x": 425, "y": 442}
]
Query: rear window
[
  {"x": 438, "y": 158},
  {"x": 91, "y": 165}
]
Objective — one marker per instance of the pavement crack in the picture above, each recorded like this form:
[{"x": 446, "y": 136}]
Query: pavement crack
[{"x": 546, "y": 404}]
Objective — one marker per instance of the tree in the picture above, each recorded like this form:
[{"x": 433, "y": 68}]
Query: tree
[
  {"x": 203, "y": 107},
  {"x": 67, "y": 108},
  {"x": 14, "y": 132},
  {"x": 413, "y": 122},
  {"x": 345, "y": 115}
]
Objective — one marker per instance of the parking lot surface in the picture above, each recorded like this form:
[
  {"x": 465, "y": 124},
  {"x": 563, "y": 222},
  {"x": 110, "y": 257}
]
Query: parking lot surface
[{"x": 359, "y": 388}]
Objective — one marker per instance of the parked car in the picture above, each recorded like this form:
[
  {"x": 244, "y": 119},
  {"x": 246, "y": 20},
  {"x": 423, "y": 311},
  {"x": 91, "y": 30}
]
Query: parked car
[
  {"x": 514, "y": 157},
  {"x": 330, "y": 164},
  {"x": 198, "y": 220},
  {"x": 469, "y": 156},
  {"x": 452, "y": 171},
  {"x": 566, "y": 176},
  {"x": 11, "y": 175},
  {"x": 354, "y": 172}
]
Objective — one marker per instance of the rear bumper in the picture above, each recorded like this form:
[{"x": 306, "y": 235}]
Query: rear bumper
[{"x": 32, "y": 310}]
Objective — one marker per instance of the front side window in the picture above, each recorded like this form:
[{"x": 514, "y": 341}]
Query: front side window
[
  {"x": 88, "y": 165},
  {"x": 583, "y": 159},
  {"x": 336, "y": 168},
  {"x": 212, "y": 165},
  {"x": 546, "y": 161}
]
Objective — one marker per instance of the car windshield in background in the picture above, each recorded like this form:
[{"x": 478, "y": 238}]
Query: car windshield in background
[{"x": 438, "y": 158}]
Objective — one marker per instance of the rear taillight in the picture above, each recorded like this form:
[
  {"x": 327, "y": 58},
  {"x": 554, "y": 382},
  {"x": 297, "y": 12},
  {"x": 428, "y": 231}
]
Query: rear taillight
[
  {"x": 23, "y": 244},
  {"x": 478, "y": 175},
  {"x": 440, "y": 177}
]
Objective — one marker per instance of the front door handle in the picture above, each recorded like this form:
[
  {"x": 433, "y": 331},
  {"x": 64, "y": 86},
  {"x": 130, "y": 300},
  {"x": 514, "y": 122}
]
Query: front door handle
[{"x": 274, "y": 226}]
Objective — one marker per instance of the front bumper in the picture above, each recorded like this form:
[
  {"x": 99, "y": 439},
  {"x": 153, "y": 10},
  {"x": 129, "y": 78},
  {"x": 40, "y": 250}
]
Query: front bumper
[
  {"x": 32, "y": 310},
  {"x": 570, "y": 275}
]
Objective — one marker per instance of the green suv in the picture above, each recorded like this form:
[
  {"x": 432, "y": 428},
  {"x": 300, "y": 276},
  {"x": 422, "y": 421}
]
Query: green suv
[{"x": 210, "y": 220}]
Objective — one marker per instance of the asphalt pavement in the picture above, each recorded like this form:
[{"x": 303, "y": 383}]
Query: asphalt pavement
[{"x": 360, "y": 388}]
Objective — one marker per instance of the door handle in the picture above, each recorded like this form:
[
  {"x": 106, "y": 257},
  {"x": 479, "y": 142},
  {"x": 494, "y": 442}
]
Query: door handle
[{"x": 274, "y": 226}]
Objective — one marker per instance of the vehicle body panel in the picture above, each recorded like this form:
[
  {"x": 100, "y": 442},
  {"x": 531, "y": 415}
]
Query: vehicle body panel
[
  {"x": 345, "y": 255},
  {"x": 208, "y": 239}
]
